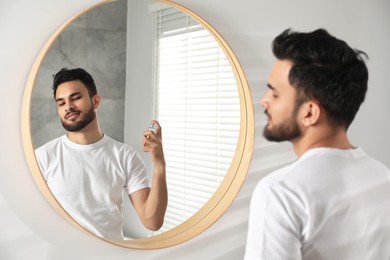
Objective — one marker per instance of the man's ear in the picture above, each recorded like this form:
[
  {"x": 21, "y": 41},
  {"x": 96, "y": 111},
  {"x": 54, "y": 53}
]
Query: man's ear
[
  {"x": 96, "y": 101},
  {"x": 311, "y": 113}
]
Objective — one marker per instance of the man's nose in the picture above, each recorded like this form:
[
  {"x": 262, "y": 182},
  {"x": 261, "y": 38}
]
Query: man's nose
[
  {"x": 264, "y": 100},
  {"x": 69, "y": 106}
]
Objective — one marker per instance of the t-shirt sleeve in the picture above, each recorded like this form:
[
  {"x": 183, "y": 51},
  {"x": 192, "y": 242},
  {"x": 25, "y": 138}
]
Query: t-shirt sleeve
[
  {"x": 42, "y": 160},
  {"x": 274, "y": 224},
  {"x": 137, "y": 177}
]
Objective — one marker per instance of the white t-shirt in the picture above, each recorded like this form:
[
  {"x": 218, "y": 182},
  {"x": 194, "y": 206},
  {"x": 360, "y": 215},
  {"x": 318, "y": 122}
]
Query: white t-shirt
[
  {"x": 330, "y": 204},
  {"x": 88, "y": 180}
]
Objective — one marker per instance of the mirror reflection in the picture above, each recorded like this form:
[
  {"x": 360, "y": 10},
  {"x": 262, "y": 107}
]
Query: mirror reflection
[{"x": 148, "y": 61}]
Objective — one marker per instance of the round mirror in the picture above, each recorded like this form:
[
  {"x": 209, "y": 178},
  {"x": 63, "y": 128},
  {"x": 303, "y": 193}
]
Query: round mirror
[{"x": 134, "y": 51}]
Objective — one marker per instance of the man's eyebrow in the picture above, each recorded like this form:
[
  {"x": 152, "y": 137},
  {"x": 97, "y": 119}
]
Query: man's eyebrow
[
  {"x": 71, "y": 95},
  {"x": 271, "y": 87}
]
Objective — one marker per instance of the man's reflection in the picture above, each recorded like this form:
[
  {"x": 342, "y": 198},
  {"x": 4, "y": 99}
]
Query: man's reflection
[{"x": 87, "y": 171}]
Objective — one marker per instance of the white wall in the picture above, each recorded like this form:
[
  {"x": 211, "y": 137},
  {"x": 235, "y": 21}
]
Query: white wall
[
  {"x": 138, "y": 105},
  {"x": 30, "y": 229}
]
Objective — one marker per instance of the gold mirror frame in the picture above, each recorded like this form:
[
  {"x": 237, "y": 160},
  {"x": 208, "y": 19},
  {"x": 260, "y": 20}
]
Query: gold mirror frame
[{"x": 221, "y": 199}]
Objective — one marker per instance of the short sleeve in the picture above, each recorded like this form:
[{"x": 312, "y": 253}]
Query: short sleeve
[
  {"x": 41, "y": 157},
  {"x": 274, "y": 230},
  {"x": 137, "y": 177}
]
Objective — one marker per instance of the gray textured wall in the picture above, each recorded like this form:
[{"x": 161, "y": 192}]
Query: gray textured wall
[{"x": 96, "y": 41}]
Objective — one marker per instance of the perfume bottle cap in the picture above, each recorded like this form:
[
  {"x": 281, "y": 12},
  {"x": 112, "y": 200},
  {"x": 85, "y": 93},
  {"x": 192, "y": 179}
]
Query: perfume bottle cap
[{"x": 153, "y": 128}]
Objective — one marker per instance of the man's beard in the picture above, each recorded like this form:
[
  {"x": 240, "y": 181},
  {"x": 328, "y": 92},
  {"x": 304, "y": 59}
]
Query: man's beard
[
  {"x": 284, "y": 131},
  {"x": 90, "y": 115}
]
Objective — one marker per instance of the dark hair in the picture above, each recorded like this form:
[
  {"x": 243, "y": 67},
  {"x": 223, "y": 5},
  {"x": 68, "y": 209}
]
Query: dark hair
[
  {"x": 65, "y": 75},
  {"x": 325, "y": 69}
]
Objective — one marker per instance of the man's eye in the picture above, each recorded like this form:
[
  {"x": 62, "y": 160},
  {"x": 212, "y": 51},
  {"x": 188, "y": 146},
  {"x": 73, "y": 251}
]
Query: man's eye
[
  {"x": 76, "y": 97},
  {"x": 60, "y": 104}
]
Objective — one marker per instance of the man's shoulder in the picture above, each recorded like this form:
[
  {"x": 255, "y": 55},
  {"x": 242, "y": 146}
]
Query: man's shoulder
[
  {"x": 50, "y": 145},
  {"x": 295, "y": 174},
  {"x": 117, "y": 146},
  {"x": 280, "y": 174}
]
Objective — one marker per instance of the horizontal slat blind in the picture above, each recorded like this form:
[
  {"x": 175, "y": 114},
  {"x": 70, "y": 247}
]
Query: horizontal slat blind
[{"x": 197, "y": 101}]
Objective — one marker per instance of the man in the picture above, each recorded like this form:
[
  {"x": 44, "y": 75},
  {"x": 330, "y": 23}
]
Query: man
[
  {"x": 333, "y": 202},
  {"x": 87, "y": 171}
]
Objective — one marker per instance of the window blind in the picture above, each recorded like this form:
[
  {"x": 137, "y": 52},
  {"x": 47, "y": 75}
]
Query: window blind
[{"x": 197, "y": 102}]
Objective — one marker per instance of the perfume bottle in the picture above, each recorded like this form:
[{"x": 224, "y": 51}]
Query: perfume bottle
[{"x": 153, "y": 128}]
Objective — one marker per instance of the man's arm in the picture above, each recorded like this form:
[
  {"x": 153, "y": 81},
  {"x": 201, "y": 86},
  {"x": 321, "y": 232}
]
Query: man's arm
[{"x": 151, "y": 203}]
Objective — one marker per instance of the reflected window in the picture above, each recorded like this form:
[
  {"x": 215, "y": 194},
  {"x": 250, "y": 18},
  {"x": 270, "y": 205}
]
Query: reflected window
[{"x": 197, "y": 102}]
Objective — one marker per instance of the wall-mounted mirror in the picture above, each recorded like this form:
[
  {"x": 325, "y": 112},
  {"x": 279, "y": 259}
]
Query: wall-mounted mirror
[{"x": 153, "y": 60}]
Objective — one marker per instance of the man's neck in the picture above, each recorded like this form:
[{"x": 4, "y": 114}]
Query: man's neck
[
  {"x": 88, "y": 135},
  {"x": 331, "y": 138}
]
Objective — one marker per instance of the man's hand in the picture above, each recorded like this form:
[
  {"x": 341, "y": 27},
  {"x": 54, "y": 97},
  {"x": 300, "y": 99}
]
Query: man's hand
[{"x": 153, "y": 145}]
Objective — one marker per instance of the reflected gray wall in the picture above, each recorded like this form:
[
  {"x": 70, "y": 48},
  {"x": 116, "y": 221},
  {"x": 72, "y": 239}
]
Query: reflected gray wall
[{"x": 96, "y": 41}]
